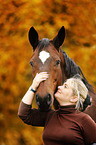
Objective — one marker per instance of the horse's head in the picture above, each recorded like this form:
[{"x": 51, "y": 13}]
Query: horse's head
[{"x": 47, "y": 57}]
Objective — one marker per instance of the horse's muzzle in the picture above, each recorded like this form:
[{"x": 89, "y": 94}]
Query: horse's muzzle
[{"x": 44, "y": 103}]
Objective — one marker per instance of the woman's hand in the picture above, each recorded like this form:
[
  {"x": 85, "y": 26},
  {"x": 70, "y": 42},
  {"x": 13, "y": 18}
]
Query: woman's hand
[
  {"x": 42, "y": 76},
  {"x": 28, "y": 97}
]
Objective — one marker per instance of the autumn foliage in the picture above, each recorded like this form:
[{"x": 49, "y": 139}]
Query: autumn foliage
[{"x": 47, "y": 16}]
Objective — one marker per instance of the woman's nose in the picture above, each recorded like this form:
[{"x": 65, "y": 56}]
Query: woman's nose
[{"x": 59, "y": 87}]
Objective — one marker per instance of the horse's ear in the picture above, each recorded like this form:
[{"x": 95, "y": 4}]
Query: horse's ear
[
  {"x": 33, "y": 37},
  {"x": 58, "y": 40}
]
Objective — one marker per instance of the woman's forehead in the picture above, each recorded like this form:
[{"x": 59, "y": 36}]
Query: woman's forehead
[
  {"x": 66, "y": 83},
  {"x": 69, "y": 82}
]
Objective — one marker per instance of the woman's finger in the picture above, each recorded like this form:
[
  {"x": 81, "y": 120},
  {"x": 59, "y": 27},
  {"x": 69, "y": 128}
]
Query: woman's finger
[
  {"x": 42, "y": 79},
  {"x": 39, "y": 78},
  {"x": 42, "y": 76}
]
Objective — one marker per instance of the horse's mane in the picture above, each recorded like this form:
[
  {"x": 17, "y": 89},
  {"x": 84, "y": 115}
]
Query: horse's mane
[{"x": 71, "y": 69}]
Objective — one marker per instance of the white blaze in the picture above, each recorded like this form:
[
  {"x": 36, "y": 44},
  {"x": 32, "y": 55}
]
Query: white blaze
[{"x": 43, "y": 55}]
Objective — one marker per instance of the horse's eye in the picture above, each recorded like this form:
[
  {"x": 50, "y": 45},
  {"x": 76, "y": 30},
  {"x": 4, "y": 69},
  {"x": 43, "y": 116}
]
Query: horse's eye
[
  {"x": 57, "y": 62},
  {"x": 31, "y": 63}
]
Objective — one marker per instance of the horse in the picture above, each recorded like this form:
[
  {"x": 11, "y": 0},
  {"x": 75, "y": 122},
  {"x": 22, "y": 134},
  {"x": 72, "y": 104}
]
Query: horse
[{"x": 49, "y": 57}]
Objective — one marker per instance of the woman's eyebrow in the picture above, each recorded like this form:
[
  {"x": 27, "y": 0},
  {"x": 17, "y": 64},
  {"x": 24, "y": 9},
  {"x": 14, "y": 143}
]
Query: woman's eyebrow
[{"x": 65, "y": 84}]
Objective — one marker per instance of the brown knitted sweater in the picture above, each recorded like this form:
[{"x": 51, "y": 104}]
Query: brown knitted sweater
[{"x": 65, "y": 126}]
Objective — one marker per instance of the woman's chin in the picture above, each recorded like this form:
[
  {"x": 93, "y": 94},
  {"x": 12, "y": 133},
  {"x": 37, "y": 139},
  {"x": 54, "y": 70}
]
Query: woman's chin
[{"x": 56, "y": 94}]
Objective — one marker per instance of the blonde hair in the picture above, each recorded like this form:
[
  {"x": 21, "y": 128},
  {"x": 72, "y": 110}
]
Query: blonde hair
[{"x": 79, "y": 89}]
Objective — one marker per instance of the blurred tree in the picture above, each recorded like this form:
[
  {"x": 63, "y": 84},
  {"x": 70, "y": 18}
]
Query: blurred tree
[{"x": 16, "y": 17}]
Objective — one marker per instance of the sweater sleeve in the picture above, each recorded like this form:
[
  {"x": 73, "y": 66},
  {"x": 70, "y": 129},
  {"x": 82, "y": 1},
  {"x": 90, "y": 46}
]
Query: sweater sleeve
[
  {"x": 31, "y": 116},
  {"x": 89, "y": 129}
]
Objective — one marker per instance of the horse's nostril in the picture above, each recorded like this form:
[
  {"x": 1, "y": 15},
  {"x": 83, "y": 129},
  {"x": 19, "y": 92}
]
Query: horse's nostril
[
  {"x": 37, "y": 99},
  {"x": 49, "y": 99},
  {"x": 43, "y": 103}
]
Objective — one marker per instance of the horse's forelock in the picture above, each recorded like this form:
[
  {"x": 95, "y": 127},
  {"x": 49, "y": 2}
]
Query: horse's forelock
[{"x": 45, "y": 42}]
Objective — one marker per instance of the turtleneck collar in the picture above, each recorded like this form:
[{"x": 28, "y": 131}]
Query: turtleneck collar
[{"x": 66, "y": 109}]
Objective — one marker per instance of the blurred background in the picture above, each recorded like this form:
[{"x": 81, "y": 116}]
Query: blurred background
[{"x": 47, "y": 16}]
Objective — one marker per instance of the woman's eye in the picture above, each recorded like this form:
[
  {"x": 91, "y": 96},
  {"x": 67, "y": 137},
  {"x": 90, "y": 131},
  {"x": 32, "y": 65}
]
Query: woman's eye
[
  {"x": 31, "y": 63},
  {"x": 65, "y": 86},
  {"x": 57, "y": 62}
]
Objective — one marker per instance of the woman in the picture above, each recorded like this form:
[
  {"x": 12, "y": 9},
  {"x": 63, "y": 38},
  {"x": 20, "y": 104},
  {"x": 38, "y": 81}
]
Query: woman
[{"x": 67, "y": 125}]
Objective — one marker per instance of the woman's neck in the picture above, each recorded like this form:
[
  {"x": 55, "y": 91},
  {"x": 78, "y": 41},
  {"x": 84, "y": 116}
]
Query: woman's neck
[{"x": 66, "y": 104}]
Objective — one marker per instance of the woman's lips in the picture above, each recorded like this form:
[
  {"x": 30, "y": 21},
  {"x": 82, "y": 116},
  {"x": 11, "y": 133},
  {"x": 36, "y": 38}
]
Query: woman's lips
[{"x": 59, "y": 91}]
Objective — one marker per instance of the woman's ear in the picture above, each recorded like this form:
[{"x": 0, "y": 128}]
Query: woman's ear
[{"x": 74, "y": 99}]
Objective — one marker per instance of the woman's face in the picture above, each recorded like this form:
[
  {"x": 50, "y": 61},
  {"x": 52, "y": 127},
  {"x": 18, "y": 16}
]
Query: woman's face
[{"x": 64, "y": 94}]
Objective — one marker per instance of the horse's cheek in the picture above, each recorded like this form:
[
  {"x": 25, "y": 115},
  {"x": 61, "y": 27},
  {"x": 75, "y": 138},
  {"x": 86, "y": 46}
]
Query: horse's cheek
[{"x": 33, "y": 73}]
